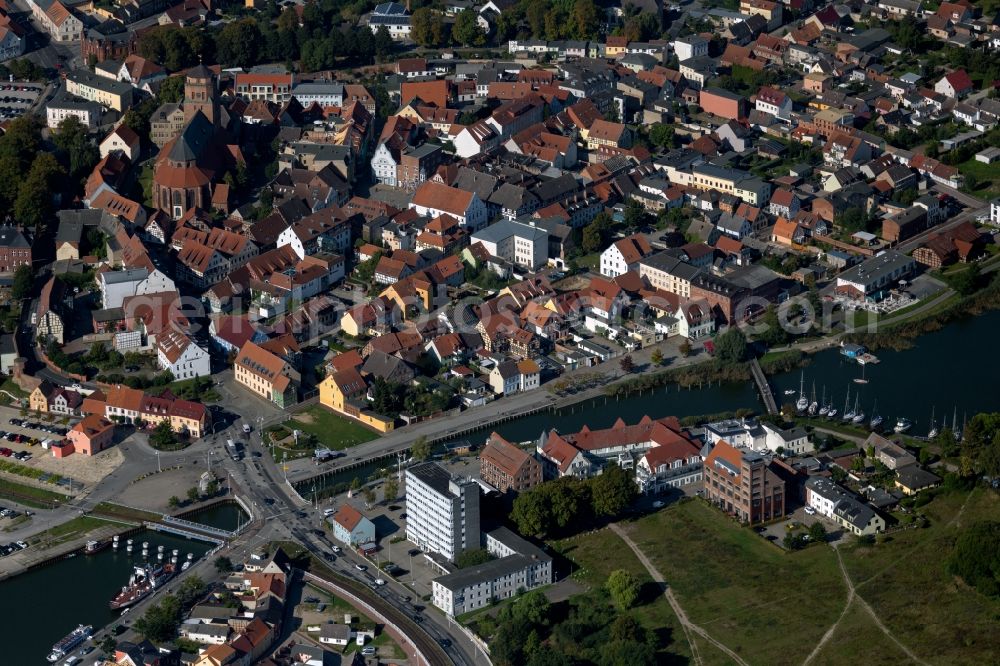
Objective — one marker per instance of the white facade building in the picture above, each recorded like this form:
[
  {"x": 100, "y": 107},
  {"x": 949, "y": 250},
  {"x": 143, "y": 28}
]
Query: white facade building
[
  {"x": 442, "y": 511},
  {"x": 523, "y": 245},
  {"x": 520, "y": 566},
  {"x": 179, "y": 354},
  {"x": 116, "y": 286}
]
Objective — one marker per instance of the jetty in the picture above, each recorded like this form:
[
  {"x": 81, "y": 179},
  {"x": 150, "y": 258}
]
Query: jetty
[{"x": 766, "y": 394}]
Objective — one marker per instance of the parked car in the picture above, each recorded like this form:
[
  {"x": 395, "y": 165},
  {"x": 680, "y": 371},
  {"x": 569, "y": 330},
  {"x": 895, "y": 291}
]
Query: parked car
[
  {"x": 360, "y": 567},
  {"x": 811, "y": 511}
]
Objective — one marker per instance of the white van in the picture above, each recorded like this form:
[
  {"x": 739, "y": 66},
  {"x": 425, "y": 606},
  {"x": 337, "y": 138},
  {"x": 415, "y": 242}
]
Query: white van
[{"x": 328, "y": 512}]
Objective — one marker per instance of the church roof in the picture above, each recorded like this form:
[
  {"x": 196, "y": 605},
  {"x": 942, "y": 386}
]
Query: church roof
[{"x": 193, "y": 139}]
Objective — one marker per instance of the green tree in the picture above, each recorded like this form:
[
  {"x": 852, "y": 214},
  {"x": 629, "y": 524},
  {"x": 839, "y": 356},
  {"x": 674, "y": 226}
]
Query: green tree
[
  {"x": 586, "y": 19},
  {"x": 160, "y": 621},
  {"x": 189, "y": 591},
  {"x": 390, "y": 489},
  {"x": 162, "y": 436},
  {"x": 975, "y": 558},
  {"x": 731, "y": 346},
  {"x": 108, "y": 644},
  {"x": 627, "y": 364},
  {"x": 466, "y": 30},
  {"x": 623, "y": 588},
  {"x": 78, "y": 152},
  {"x": 612, "y": 491},
  {"x": 171, "y": 90},
  {"x": 383, "y": 41},
  {"x": 685, "y": 348},
  {"x": 369, "y": 496},
  {"x": 592, "y": 239},
  {"x": 661, "y": 135},
  {"x": 852, "y": 219},
  {"x": 656, "y": 357},
  {"x": 817, "y": 532},
  {"x": 421, "y": 449},
  {"x": 472, "y": 558},
  {"x": 24, "y": 280},
  {"x": 34, "y": 204},
  {"x": 239, "y": 44},
  {"x": 193, "y": 495},
  {"x": 174, "y": 501},
  {"x": 426, "y": 28}
]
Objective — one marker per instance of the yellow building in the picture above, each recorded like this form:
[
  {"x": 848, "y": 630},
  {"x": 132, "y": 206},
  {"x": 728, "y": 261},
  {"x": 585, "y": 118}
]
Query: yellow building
[
  {"x": 38, "y": 401},
  {"x": 115, "y": 95},
  {"x": 344, "y": 392},
  {"x": 267, "y": 375}
]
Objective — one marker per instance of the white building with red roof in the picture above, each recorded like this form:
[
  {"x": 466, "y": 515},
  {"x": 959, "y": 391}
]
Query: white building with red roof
[
  {"x": 433, "y": 199},
  {"x": 660, "y": 451},
  {"x": 350, "y": 527},
  {"x": 624, "y": 255}
]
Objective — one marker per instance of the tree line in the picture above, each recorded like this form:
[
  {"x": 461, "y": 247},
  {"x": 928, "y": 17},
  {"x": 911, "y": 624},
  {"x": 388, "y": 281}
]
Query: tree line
[{"x": 568, "y": 505}]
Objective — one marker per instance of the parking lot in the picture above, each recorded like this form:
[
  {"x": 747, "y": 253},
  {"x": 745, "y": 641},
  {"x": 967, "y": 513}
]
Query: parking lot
[
  {"x": 16, "y": 98},
  {"x": 798, "y": 521}
]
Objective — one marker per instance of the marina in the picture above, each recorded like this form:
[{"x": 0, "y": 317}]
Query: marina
[
  {"x": 924, "y": 371},
  {"x": 93, "y": 580}
]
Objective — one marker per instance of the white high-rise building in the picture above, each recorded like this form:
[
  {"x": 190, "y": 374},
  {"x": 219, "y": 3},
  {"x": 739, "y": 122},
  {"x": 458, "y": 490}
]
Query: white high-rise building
[{"x": 442, "y": 510}]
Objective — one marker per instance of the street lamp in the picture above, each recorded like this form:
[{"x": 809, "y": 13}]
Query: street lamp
[{"x": 158, "y": 467}]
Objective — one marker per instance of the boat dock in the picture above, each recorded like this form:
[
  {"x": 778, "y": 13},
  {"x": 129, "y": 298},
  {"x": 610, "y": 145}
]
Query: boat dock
[{"x": 766, "y": 394}]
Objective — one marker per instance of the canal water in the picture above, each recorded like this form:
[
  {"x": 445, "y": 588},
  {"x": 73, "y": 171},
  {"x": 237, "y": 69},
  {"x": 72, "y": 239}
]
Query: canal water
[
  {"x": 43, "y": 605},
  {"x": 947, "y": 372}
]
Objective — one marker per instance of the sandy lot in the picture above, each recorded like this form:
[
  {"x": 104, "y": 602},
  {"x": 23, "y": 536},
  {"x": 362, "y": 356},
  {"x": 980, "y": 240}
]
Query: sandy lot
[
  {"x": 154, "y": 491},
  {"x": 86, "y": 469}
]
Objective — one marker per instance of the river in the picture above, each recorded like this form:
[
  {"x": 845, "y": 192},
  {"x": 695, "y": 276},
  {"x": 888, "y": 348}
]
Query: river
[
  {"x": 952, "y": 370},
  {"x": 43, "y": 605}
]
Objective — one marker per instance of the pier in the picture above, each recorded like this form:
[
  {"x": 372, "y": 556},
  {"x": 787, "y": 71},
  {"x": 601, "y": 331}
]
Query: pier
[{"x": 766, "y": 394}]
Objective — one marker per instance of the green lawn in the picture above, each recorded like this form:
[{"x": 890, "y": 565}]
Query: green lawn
[
  {"x": 768, "y": 606},
  {"x": 596, "y": 555},
  {"x": 113, "y": 510},
  {"x": 38, "y": 498},
  {"x": 857, "y": 640},
  {"x": 72, "y": 529},
  {"x": 332, "y": 430},
  {"x": 936, "y": 616},
  {"x": 988, "y": 176}
]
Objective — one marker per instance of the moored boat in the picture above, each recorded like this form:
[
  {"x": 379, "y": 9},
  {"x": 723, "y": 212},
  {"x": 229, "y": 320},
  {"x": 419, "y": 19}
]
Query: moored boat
[
  {"x": 69, "y": 642},
  {"x": 93, "y": 547},
  {"x": 902, "y": 425},
  {"x": 144, "y": 580}
]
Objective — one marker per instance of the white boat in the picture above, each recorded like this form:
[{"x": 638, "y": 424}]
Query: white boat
[
  {"x": 902, "y": 425},
  {"x": 876, "y": 419},
  {"x": 789, "y": 391},
  {"x": 848, "y": 412},
  {"x": 813, "y": 406},
  {"x": 802, "y": 404},
  {"x": 933, "y": 432},
  {"x": 859, "y": 414},
  {"x": 832, "y": 413},
  {"x": 69, "y": 642},
  {"x": 824, "y": 408}
]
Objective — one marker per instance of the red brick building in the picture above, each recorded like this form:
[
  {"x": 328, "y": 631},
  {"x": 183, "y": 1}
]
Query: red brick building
[
  {"x": 506, "y": 467},
  {"x": 109, "y": 41},
  {"x": 723, "y": 103},
  {"x": 741, "y": 484},
  {"x": 15, "y": 250}
]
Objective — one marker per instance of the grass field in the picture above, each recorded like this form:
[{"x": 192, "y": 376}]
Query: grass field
[
  {"x": 332, "y": 430},
  {"x": 768, "y": 606},
  {"x": 113, "y": 510},
  {"x": 596, "y": 555},
  {"x": 858, "y": 641},
  {"x": 68, "y": 530},
  {"x": 772, "y": 607},
  {"x": 938, "y": 617},
  {"x": 988, "y": 176},
  {"x": 38, "y": 498}
]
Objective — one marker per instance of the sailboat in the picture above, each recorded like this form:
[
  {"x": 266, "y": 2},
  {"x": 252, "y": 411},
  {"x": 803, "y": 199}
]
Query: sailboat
[
  {"x": 824, "y": 408},
  {"x": 955, "y": 430},
  {"x": 848, "y": 413},
  {"x": 876, "y": 419},
  {"x": 803, "y": 402},
  {"x": 861, "y": 379},
  {"x": 813, "y": 406},
  {"x": 859, "y": 414},
  {"x": 933, "y": 432},
  {"x": 902, "y": 425}
]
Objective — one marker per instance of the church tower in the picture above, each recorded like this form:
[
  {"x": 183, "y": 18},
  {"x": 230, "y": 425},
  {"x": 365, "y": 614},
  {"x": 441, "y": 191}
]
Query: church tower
[{"x": 200, "y": 95}]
